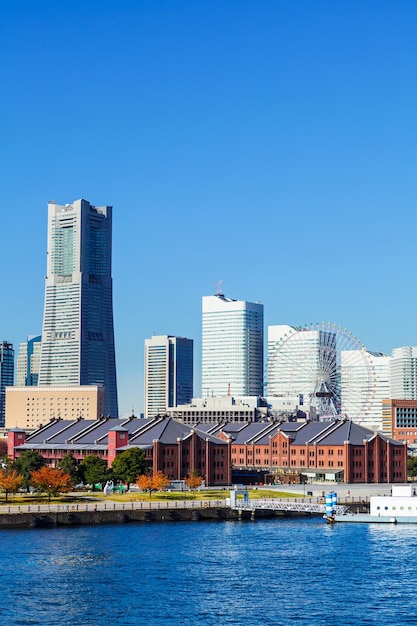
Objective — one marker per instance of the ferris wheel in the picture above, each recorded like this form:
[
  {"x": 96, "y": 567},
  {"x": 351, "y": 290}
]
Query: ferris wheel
[{"x": 324, "y": 366}]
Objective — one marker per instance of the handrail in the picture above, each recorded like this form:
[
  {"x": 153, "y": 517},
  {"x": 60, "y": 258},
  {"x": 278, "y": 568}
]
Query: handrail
[{"x": 111, "y": 506}]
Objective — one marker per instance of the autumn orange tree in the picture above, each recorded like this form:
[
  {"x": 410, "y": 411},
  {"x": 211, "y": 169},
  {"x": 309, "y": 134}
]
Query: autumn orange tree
[
  {"x": 52, "y": 481},
  {"x": 193, "y": 480},
  {"x": 10, "y": 481},
  {"x": 153, "y": 482}
]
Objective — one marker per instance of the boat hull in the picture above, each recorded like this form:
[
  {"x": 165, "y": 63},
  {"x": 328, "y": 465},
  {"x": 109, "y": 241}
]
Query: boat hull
[{"x": 365, "y": 518}]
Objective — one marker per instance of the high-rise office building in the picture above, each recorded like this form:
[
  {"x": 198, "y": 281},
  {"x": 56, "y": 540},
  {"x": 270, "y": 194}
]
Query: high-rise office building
[
  {"x": 168, "y": 373},
  {"x": 28, "y": 358},
  {"x": 6, "y": 375},
  {"x": 403, "y": 373},
  {"x": 232, "y": 347},
  {"x": 365, "y": 383},
  {"x": 77, "y": 333}
]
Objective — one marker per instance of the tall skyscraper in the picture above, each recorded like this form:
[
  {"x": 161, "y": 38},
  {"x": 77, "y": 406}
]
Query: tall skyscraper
[
  {"x": 6, "y": 375},
  {"x": 168, "y": 373},
  {"x": 364, "y": 379},
  {"x": 77, "y": 333},
  {"x": 403, "y": 373},
  {"x": 28, "y": 358},
  {"x": 232, "y": 347}
]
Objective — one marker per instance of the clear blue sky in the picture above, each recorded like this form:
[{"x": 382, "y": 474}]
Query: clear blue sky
[{"x": 268, "y": 144}]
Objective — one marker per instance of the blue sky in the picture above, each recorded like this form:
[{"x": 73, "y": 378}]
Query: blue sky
[{"x": 268, "y": 144}]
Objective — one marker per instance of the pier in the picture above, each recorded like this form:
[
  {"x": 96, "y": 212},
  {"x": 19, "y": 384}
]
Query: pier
[{"x": 297, "y": 506}]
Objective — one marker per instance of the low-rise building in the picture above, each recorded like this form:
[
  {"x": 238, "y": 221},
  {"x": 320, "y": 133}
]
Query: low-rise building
[
  {"x": 400, "y": 420},
  {"x": 31, "y": 407},
  {"x": 169, "y": 446},
  {"x": 341, "y": 451}
]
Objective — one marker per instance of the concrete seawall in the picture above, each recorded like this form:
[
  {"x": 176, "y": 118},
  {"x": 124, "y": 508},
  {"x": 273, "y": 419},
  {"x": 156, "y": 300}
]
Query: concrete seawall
[{"x": 78, "y": 518}]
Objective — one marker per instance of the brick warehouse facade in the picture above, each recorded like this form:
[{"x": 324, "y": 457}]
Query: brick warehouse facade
[
  {"x": 336, "y": 451},
  {"x": 169, "y": 446}
]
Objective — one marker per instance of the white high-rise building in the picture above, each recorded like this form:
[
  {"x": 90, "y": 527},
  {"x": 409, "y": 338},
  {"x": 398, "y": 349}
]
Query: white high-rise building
[
  {"x": 232, "y": 347},
  {"x": 77, "y": 333},
  {"x": 302, "y": 364},
  {"x": 28, "y": 359},
  {"x": 365, "y": 382},
  {"x": 403, "y": 373},
  {"x": 168, "y": 373}
]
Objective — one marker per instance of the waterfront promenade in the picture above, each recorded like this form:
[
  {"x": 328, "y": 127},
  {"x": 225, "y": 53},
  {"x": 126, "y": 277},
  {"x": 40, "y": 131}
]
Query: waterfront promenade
[
  {"x": 108, "y": 505},
  {"x": 99, "y": 511}
]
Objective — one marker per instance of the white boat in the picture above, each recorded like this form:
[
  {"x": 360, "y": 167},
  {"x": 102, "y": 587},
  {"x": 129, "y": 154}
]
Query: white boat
[{"x": 398, "y": 508}]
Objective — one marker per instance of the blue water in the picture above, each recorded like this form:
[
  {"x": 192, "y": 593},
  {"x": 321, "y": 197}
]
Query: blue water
[{"x": 301, "y": 572}]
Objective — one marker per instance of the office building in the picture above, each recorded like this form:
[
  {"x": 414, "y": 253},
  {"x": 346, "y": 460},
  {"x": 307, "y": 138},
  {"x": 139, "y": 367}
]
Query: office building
[
  {"x": 403, "y": 373},
  {"x": 168, "y": 373},
  {"x": 31, "y": 407},
  {"x": 400, "y": 421},
  {"x": 6, "y": 375},
  {"x": 365, "y": 382},
  {"x": 232, "y": 347},
  {"x": 77, "y": 333},
  {"x": 28, "y": 358}
]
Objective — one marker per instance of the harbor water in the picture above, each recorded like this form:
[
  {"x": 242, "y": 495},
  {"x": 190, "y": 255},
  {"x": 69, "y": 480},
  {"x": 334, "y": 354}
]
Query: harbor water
[{"x": 287, "y": 571}]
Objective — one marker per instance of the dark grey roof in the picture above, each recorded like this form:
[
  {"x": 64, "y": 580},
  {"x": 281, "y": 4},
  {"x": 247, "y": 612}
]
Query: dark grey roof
[
  {"x": 251, "y": 432},
  {"x": 168, "y": 431},
  {"x": 264, "y": 438},
  {"x": 53, "y": 428},
  {"x": 289, "y": 427},
  {"x": 307, "y": 432}
]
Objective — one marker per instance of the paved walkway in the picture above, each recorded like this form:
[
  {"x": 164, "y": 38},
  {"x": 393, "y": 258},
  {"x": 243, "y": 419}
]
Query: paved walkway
[{"x": 112, "y": 506}]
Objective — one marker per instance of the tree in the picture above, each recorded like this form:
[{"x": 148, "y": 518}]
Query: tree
[
  {"x": 3, "y": 448},
  {"x": 145, "y": 483},
  {"x": 93, "y": 470},
  {"x": 10, "y": 481},
  {"x": 52, "y": 481},
  {"x": 193, "y": 480},
  {"x": 26, "y": 463},
  {"x": 412, "y": 467},
  {"x": 153, "y": 482},
  {"x": 160, "y": 481},
  {"x": 69, "y": 466},
  {"x": 128, "y": 465}
]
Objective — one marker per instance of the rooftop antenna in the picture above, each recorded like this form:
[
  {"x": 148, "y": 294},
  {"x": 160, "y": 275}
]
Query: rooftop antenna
[{"x": 219, "y": 288}]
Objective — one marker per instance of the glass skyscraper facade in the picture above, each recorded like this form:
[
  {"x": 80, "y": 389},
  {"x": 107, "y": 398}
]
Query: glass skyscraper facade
[
  {"x": 6, "y": 375},
  {"x": 232, "y": 347},
  {"x": 77, "y": 333},
  {"x": 168, "y": 373}
]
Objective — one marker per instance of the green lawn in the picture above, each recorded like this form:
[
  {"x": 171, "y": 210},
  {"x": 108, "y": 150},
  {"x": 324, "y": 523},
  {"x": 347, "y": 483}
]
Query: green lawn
[{"x": 163, "y": 496}]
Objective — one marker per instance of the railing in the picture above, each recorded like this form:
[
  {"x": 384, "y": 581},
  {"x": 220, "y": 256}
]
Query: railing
[
  {"x": 111, "y": 506},
  {"x": 275, "y": 504}
]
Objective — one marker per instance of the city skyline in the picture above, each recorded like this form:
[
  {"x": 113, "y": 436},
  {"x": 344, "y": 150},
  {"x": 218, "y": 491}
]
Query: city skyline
[{"x": 270, "y": 146}]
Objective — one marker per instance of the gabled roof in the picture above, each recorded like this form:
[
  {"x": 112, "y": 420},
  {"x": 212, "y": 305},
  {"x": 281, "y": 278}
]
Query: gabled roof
[
  {"x": 308, "y": 432},
  {"x": 251, "y": 432}
]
